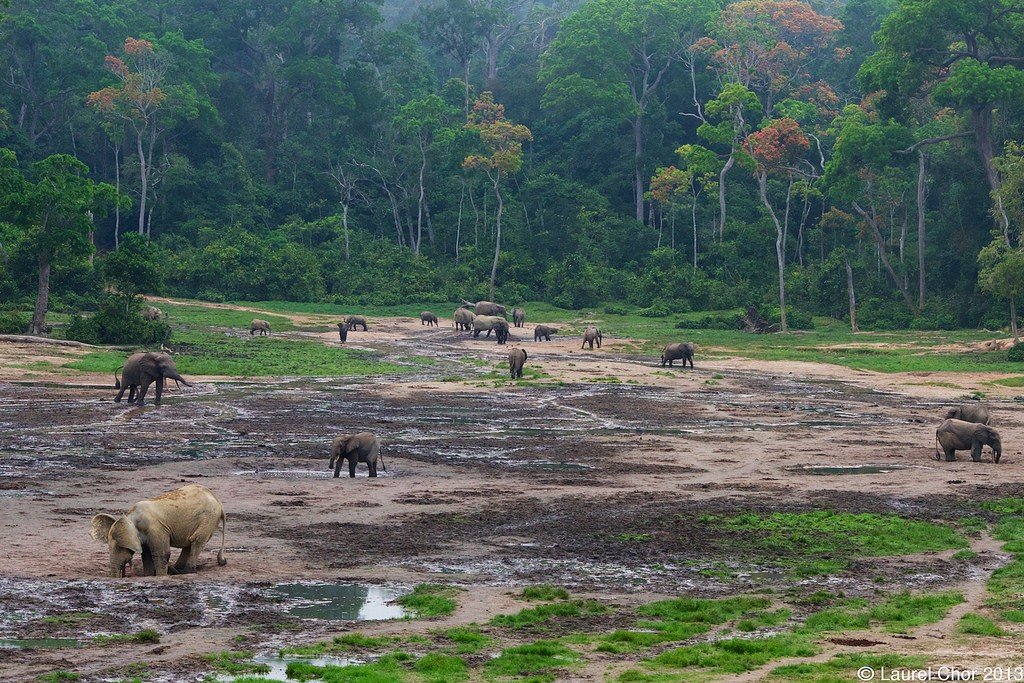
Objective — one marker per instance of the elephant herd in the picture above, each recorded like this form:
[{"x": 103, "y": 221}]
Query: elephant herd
[{"x": 966, "y": 427}]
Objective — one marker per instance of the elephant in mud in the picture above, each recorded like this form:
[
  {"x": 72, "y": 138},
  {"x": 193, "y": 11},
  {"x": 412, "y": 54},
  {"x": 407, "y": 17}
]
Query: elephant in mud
[
  {"x": 591, "y": 335},
  {"x": 185, "y": 518},
  {"x": 674, "y": 352},
  {"x": 355, "y": 321},
  {"x": 487, "y": 308},
  {"x": 516, "y": 361},
  {"x": 261, "y": 326},
  {"x": 491, "y": 322},
  {"x": 343, "y": 331},
  {"x": 356, "y": 448},
  {"x": 429, "y": 319},
  {"x": 970, "y": 412},
  {"x": 141, "y": 370},
  {"x": 152, "y": 313},
  {"x": 518, "y": 317},
  {"x": 957, "y": 435},
  {"x": 544, "y": 332},
  {"x": 463, "y": 319}
]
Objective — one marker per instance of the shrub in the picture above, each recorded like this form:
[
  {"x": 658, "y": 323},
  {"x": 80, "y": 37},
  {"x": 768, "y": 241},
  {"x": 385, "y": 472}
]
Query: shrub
[
  {"x": 658, "y": 310},
  {"x": 614, "y": 309},
  {"x": 1016, "y": 353},
  {"x": 112, "y": 324},
  {"x": 716, "y": 320},
  {"x": 13, "y": 323},
  {"x": 796, "y": 319}
]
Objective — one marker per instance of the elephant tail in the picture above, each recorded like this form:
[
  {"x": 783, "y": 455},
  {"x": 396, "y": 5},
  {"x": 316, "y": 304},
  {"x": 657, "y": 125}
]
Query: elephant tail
[
  {"x": 223, "y": 528},
  {"x": 936, "y": 446},
  {"x": 117, "y": 380}
]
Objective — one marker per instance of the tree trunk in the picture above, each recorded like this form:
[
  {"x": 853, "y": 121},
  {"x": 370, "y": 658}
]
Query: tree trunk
[
  {"x": 144, "y": 175},
  {"x": 497, "y": 231},
  {"x": 921, "y": 201},
  {"x": 1014, "y": 327},
  {"x": 38, "y": 325},
  {"x": 853, "y": 297},
  {"x": 721, "y": 193},
  {"x": 884, "y": 257},
  {"x": 492, "y": 62},
  {"x": 419, "y": 205},
  {"x": 458, "y": 224},
  {"x": 780, "y": 256},
  {"x": 344, "y": 225},
  {"x": 638, "y": 177},
  {"x": 693, "y": 217},
  {"x": 117, "y": 187}
]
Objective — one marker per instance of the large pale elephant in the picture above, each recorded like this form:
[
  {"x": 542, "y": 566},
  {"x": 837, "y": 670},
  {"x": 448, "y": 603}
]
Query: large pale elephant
[
  {"x": 970, "y": 412},
  {"x": 487, "y": 323},
  {"x": 487, "y": 308},
  {"x": 463, "y": 319},
  {"x": 185, "y": 518},
  {"x": 957, "y": 435},
  {"x": 141, "y": 370},
  {"x": 258, "y": 325},
  {"x": 516, "y": 361},
  {"x": 674, "y": 352},
  {"x": 152, "y": 313},
  {"x": 591, "y": 335},
  {"x": 356, "y": 448}
]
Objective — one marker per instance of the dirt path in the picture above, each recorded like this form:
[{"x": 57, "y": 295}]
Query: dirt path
[{"x": 488, "y": 487}]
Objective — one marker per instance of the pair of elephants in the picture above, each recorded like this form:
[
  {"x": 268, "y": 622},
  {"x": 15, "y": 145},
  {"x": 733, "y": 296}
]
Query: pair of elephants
[
  {"x": 351, "y": 323},
  {"x": 143, "y": 369},
  {"x": 966, "y": 427}
]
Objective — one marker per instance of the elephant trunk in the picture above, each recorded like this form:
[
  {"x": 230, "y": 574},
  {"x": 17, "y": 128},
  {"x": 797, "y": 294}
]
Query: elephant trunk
[
  {"x": 223, "y": 528},
  {"x": 178, "y": 378}
]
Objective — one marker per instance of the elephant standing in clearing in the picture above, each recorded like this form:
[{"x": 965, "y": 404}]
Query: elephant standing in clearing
[
  {"x": 355, "y": 321},
  {"x": 488, "y": 308},
  {"x": 957, "y": 435},
  {"x": 591, "y": 335},
  {"x": 463, "y": 319},
  {"x": 356, "y": 448},
  {"x": 970, "y": 412},
  {"x": 516, "y": 361},
  {"x": 343, "y": 331},
  {"x": 544, "y": 332},
  {"x": 141, "y": 370},
  {"x": 261, "y": 326},
  {"x": 488, "y": 323},
  {"x": 185, "y": 518},
  {"x": 429, "y": 319},
  {"x": 674, "y": 352},
  {"x": 152, "y": 313},
  {"x": 518, "y": 317}
]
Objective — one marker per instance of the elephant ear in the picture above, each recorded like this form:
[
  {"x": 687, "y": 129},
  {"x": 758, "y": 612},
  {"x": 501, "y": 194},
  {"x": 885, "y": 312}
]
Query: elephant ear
[
  {"x": 126, "y": 535},
  {"x": 101, "y": 524}
]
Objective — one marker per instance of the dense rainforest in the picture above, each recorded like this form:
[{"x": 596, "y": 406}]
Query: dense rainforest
[{"x": 664, "y": 155}]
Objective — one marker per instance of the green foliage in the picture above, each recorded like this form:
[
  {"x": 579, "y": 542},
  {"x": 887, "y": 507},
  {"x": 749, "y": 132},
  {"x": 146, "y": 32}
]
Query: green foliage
[
  {"x": 145, "y": 636},
  {"x": 13, "y": 323},
  {"x": 735, "y": 655},
  {"x": 59, "y": 676},
  {"x": 896, "y": 614},
  {"x": 465, "y": 639},
  {"x": 975, "y": 624},
  {"x": 429, "y": 600},
  {"x": 440, "y": 668},
  {"x": 544, "y": 591},
  {"x": 113, "y": 324},
  {"x": 1016, "y": 353},
  {"x": 538, "y": 661},
  {"x": 535, "y": 616},
  {"x": 843, "y": 667},
  {"x": 235, "y": 663}
]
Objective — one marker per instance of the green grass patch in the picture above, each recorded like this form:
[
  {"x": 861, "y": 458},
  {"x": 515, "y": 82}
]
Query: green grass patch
[
  {"x": 535, "y": 616},
  {"x": 428, "y": 600},
  {"x": 207, "y": 316},
  {"x": 390, "y": 668},
  {"x": 69, "y": 618},
  {"x": 463, "y": 640},
  {"x": 350, "y": 642},
  {"x": 537, "y": 662},
  {"x": 975, "y": 624},
  {"x": 843, "y": 667},
  {"x": 1017, "y": 381},
  {"x": 734, "y": 655},
  {"x": 144, "y": 636},
  {"x": 544, "y": 591},
  {"x": 1006, "y": 589},
  {"x": 441, "y": 668},
  {"x": 897, "y": 614},
  {"x": 235, "y": 663},
  {"x": 59, "y": 676}
]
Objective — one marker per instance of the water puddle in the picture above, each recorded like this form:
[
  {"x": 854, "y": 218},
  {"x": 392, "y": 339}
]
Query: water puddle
[
  {"x": 279, "y": 666},
  {"x": 38, "y": 643},
  {"x": 340, "y": 601},
  {"x": 850, "y": 469}
]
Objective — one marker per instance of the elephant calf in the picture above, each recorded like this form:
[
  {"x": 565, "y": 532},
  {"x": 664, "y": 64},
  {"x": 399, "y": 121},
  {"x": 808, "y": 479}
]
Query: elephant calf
[
  {"x": 356, "y": 448},
  {"x": 518, "y": 317},
  {"x": 958, "y": 435},
  {"x": 355, "y": 321},
  {"x": 970, "y": 412},
  {"x": 544, "y": 332},
  {"x": 343, "y": 331},
  {"x": 463, "y": 319},
  {"x": 429, "y": 319},
  {"x": 591, "y": 335},
  {"x": 185, "y": 518},
  {"x": 516, "y": 361},
  {"x": 261, "y": 326},
  {"x": 674, "y": 352}
]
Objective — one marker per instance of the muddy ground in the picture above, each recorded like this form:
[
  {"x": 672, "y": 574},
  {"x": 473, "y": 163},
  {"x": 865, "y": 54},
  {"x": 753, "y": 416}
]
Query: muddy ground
[{"x": 487, "y": 487}]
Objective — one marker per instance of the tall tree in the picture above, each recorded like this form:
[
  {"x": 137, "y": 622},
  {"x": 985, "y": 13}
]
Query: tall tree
[
  {"x": 616, "y": 55},
  {"x": 503, "y": 141}
]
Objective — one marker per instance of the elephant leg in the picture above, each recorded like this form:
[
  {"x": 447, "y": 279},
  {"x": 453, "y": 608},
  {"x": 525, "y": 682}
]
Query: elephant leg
[
  {"x": 337, "y": 466},
  {"x": 117, "y": 399},
  {"x": 352, "y": 466},
  {"x": 365, "y": 328},
  {"x": 976, "y": 450},
  {"x": 159, "y": 389},
  {"x": 188, "y": 558},
  {"x": 147, "y": 562},
  {"x": 142, "y": 391},
  {"x": 950, "y": 454},
  {"x": 372, "y": 464}
]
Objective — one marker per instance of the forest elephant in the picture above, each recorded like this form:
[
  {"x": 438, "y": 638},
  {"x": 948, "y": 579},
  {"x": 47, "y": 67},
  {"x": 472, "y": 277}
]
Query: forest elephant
[
  {"x": 429, "y": 319},
  {"x": 591, "y": 335},
  {"x": 487, "y": 308},
  {"x": 141, "y": 370},
  {"x": 957, "y": 435},
  {"x": 487, "y": 323},
  {"x": 343, "y": 331},
  {"x": 356, "y": 448},
  {"x": 674, "y": 352},
  {"x": 152, "y": 313},
  {"x": 516, "y": 361},
  {"x": 185, "y": 518},
  {"x": 518, "y": 317},
  {"x": 970, "y": 412},
  {"x": 463, "y": 319},
  {"x": 355, "y": 321},
  {"x": 261, "y": 326},
  {"x": 544, "y": 332}
]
